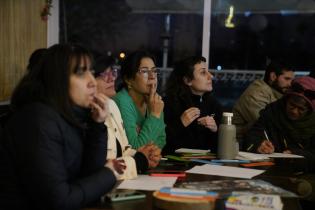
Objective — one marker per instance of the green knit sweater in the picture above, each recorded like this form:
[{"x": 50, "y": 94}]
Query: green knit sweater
[{"x": 140, "y": 129}]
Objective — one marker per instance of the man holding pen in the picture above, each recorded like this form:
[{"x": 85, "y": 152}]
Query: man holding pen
[{"x": 288, "y": 124}]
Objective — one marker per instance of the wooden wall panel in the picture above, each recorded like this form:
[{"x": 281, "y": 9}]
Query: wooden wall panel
[{"x": 21, "y": 32}]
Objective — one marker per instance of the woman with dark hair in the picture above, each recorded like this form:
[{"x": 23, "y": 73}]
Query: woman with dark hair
[
  {"x": 137, "y": 161},
  {"x": 288, "y": 124},
  {"x": 192, "y": 115},
  {"x": 35, "y": 58},
  {"x": 140, "y": 105},
  {"x": 53, "y": 145}
]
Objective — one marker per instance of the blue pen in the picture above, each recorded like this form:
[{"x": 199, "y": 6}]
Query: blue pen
[
  {"x": 230, "y": 161},
  {"x": 205, "y": 161}
]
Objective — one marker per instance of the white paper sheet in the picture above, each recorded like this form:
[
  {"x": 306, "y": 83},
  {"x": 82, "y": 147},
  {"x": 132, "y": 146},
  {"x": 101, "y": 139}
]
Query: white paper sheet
[
  {"x": 186, "y": 150},
  {"x": 255, "y": 156},
  {"x": 282, "y": 155},
  {"x": 250, "y": 156},
  {"x": 225, "y": 171},
  {"x": 145, "y": 182}
]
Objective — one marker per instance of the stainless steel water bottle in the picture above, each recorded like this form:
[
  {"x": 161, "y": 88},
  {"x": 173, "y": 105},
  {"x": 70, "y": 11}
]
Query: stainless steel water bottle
[{"x": 227, "y": 146}]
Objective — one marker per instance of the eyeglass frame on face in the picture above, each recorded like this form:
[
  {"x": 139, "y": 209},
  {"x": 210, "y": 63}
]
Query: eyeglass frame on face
[
  {"x": 145, "y": 71},
  {"x": 112, "y": 72}
]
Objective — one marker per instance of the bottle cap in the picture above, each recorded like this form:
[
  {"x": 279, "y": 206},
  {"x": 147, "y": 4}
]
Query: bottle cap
[{"x": 227, "y": 114}]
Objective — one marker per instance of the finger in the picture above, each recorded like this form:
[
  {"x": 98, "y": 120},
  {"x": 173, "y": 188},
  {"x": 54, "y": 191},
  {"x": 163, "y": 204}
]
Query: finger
[
  {"x": 152, "y": 91},
  {"x": 121, "y": 161},
  {"x": 119, "y": 168},
  {"x": 268, "y": 149},
  {"x": 100, "y": 100},
  {"x": 194, "y": 113},
  {"x": 200, "y": 122},
  {"x": 192, "y": 118},
  {"x": 265, "y": 150},
  {"x": 287, "y": 152},
  {"x": 203, "y": 120},
  {"x": 157, "y": 98},
  {"x": 154, "y": 85},
  {"x": 192, "y": 109},
  {"x": 151, "y": 142},
  {"x": 212, "y": 123},
  {"x": 156, "y": 153},
  {"x": 95, "y": 107},
  {"x": 154, "y": 147},
  {"x": 269, "y": 144}
]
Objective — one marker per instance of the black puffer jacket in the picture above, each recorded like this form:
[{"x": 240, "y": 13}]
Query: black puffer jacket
[{"x": 48, "y": 163}]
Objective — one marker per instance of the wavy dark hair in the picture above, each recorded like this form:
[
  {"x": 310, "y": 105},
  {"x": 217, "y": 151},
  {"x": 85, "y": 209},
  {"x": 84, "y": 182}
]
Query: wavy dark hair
[
  {"x": 278, "y": 67},
  {"x": 175, "y": 85},
  {"x": 48, "y": 82},
  {"x": 130, "y": 65}
]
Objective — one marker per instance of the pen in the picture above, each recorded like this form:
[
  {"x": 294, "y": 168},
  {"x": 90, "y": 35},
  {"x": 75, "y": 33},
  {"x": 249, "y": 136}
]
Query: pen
[
  {"x": 285, "y": 143},
  {"x": 301, "y": 146},
  {"x": 230, "y": 161},
  {"x": 205, "y": 161},
  {"x": 266, "y": 135},
  {"x": 173, "y": 157},
  {"x": 250, "y": 146}
]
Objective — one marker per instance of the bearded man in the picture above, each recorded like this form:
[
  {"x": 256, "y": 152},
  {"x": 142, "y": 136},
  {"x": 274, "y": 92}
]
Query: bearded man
[{"x": 277, "y": 80}]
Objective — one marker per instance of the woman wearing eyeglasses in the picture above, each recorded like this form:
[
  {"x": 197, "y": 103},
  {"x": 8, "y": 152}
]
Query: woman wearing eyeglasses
[
  {"x": 137, "y": 161},
  {"x": 140, "y": 105},
  {"x": 192, "y": 115},
  {"x": 288, "y": 124}
]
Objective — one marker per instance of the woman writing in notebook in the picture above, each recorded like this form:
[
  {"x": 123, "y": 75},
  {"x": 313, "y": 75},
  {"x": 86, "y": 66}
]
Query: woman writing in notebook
[{"x": 288, "y": 124}]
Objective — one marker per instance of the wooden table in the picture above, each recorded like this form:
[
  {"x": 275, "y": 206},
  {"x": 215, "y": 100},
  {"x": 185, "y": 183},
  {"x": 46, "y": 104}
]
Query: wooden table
[{"x": 280, "y": 175}]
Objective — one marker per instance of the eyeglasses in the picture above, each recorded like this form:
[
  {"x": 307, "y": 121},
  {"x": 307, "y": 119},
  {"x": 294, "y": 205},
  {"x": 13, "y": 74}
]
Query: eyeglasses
[
  {"x": 112, "y": 72},
  {"x": 145, "y": 72},
  {"x": 296, "y": 87}
]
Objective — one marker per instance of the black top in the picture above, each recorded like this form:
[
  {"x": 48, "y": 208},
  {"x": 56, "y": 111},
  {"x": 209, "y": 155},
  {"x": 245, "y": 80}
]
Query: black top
[
  {"x": 193, "y": 136},
  {"x": 48, "y": 163}
]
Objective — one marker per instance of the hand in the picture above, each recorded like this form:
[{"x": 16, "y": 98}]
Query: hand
[
  {"x": 208, "y": 122},
  {"x": 266, "y": 147},
  {"x": 152, "y": 153},
  {"x": 116, "y": 165},
  {"x": 287, "y": 151},
  {"x": 99, "y": 108},
  {"x": 189, "y": 115},
  {"x": 155, "y": 102}
]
